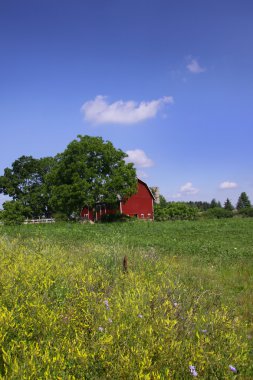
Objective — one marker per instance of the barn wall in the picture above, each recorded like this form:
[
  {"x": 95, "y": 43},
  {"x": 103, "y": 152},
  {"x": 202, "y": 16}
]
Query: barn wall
[{"x": 139, "y": 204}]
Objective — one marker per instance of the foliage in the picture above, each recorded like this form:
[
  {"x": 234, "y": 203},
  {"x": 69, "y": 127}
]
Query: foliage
[
  {"x": 215, "y": 204},
  {"x": 60, "y": 217},
  {"x": 228, "y": 205},
  {"x": 243, "y": 201},
  {"x": 162, "y": 200},
  {"x": 117, "y": 217},
  {"x": 14, "y": 212},
  {"x": 247, "y": 212},
  {"x": 89, "y": 171},
  {"x": 202, "y": 206},
  {"x": 218, "y": 212},
  {"x": 175, "y": 211},
  {"x": 68, "y": 311},
  {"x": 25, "y": 182}
]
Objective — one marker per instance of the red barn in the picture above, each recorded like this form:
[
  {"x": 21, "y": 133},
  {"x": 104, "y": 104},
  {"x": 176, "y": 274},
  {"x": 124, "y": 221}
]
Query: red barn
[{"x": 140, "y": 205}]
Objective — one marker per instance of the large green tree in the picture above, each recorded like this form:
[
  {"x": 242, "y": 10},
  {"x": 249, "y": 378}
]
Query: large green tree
[
  {"x": 89, "y": 171},
  {"x": 25, "y": 182}
]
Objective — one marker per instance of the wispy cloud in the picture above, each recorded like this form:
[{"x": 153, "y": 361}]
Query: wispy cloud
[
  {"x": 99, "y": 111},
  {"x": 228, "y": 185},
  {"x": 194, "y": 67},
  {"x": 139, "y": 158},
  {"x": 188, "y": 189}
]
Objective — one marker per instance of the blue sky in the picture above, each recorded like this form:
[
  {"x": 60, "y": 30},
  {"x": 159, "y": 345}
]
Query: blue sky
[{"x": 169, "y": 82}]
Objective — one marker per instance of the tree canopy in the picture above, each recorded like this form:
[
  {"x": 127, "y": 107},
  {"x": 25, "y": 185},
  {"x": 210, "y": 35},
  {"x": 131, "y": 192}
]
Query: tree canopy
[
  {"x": 25, "y": 182},
  {"x": 89, "y": 171}
]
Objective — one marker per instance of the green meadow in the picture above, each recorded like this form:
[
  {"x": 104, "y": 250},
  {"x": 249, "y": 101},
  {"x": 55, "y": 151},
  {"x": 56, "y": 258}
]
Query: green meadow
[{"x": 181, "y": 307}]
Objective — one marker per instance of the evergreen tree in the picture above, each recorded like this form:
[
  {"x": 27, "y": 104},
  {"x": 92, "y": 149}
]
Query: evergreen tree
[
  {"x": 228, "y": 205},
  {"x": 214, "y": 203},
  {"x": 243, "y": 201}
]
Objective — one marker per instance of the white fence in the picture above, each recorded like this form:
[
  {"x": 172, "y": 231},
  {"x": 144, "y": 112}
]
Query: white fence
[{"x": 37, "y": 221}]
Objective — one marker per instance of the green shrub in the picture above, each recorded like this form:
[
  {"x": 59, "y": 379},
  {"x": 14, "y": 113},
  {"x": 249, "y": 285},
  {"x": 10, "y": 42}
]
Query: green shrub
[
  {"x": 218, "y": 213},
  {"x": 175, "y": 211},
  {"x": 60, "y": 217},
  {"x": 247, "y": 212},
  {"x": 117, "y": 217}
]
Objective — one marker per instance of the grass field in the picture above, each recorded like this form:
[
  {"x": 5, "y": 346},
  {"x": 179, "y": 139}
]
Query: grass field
[{"x": 69, "y": 311}]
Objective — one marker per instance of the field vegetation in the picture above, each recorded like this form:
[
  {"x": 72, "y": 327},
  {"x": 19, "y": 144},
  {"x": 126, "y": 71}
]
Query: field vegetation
[{"x": 181, "y": 307}]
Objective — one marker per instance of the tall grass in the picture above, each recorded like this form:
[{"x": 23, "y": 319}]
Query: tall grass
[{"x": 69, "y": 311}]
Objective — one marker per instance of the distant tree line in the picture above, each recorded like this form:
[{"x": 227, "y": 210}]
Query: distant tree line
[{"x": 192, "y": 210}]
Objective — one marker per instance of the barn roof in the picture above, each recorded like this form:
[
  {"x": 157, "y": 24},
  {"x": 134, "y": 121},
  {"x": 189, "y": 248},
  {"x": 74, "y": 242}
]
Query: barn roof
[{"x": 144, "y": 183}]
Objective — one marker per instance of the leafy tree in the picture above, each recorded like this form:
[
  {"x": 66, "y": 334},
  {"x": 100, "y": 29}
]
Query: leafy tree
[
  {"x": 228, "y": 205},
  {"x": 243, "y": 201},
  {"x": 89, "y": 171},
  {"x": 25, "y": 182},
  {"x": 14, "y": 212}
]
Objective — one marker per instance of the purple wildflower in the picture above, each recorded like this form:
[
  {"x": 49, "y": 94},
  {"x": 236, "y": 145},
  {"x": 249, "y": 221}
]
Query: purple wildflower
[
  {"x": 140, "y": 316},
  {"x": 106, "y": 303},
  {"x": 232, "y": 368},
  {"x": 204, "y": 331},
  {"x": 193, "y": 370},
  {"x": 109, "y": 320},
  {"x": 101, "y": 329}
]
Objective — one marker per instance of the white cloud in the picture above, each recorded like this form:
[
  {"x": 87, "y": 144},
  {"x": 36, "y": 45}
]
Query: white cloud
[
  {"x": 99, "y": 111},
  {"x": 194, "y": 67},
  {"x": 228, "y": 185},
  {"x": 139, "y": 158},
  {"x": 188, "y": 189}
]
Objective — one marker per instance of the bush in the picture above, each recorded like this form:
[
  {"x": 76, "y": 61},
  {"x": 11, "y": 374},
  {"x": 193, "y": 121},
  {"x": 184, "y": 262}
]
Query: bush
[
  {"x": 108, "y": 218},
  {"x": 160, "y": 213},
  {"x": 247, "y": 212},
  {"x": 176, "y": 211},
  {"x": 218, "y": 213},
  {"x": 60, "y": 217}
]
